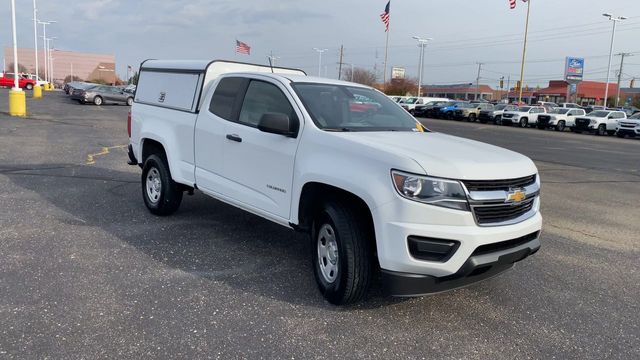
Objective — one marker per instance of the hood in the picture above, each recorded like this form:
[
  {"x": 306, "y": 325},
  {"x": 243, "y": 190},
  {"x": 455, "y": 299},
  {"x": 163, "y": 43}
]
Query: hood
[
  {"x": 516, "y": 112},
  {"x": 448, "y": 156}
]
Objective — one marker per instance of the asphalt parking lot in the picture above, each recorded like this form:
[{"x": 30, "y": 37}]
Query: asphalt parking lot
[{"x": 88, "y": 272}]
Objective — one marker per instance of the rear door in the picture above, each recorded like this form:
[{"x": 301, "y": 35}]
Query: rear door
[{"x": 259, "y": 165}]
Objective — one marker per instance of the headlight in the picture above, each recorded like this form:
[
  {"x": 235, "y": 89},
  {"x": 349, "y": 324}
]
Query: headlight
[
  {"x": 552, "y": 118},
  {"x": 593, "y": 122},
  {"x": 429, "y": 190}
]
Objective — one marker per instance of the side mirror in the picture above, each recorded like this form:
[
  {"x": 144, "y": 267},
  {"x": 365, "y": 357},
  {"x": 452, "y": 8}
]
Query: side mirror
[{"x": 275, "y": 123}]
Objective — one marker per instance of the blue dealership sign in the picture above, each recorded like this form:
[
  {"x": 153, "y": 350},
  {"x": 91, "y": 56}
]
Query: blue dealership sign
[{"x": 574, "y": 69}]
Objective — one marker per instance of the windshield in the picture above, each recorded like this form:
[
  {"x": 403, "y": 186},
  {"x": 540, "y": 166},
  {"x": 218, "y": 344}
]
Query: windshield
[
  {"x": 467, "y": 106},
  {"x": 352, "y": 108},
  {"x": 599, "y": 114},
  {"x": 500, "y": 107},
  {"x": 560, "y": 111},
  {"x": 524, "y": 108},
  {"x": 635, "y": 116},
  {"x": 411, "y": 101}
]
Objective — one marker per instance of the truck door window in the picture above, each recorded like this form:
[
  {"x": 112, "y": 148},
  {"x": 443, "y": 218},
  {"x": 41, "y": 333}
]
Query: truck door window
[
  {"x": 264, "y": 98},
  {"x": 225, "y": 97}
]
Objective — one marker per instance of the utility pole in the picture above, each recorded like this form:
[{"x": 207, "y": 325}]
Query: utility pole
[
  {"x": 478, "y": 81},
  {"x": 622, "y": 55},
  {"x": 508, "y": 87},
  {"x": 615, "y": 21},
  {"x": 340, "y": 63}
]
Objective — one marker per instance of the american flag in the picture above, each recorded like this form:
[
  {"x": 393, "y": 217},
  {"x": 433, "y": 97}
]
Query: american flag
[
  {"x": 242, "y": 48},
  {"x": 512, "y": 3},
  {"x": 385, "y": 16}
]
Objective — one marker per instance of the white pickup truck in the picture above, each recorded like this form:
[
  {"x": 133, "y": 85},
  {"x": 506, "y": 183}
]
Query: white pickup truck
[{"x": 376, "y": 191}]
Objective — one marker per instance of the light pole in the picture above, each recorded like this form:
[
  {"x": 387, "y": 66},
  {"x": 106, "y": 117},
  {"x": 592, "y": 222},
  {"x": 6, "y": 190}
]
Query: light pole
[
  {"x": 320, "y": 51},
  {"x": 50, "y": 46},
  {"x": 615, "y": 20},
  {"x": 422, "y": 43},
  {"x": 37, "y": 90},
  {"x": 44, "y": 46},
  {"x": 17, "y": 97}
]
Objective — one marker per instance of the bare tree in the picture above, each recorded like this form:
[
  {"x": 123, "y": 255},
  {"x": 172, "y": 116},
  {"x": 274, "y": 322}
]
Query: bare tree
[
  {"x": 360, "y": 76},
  {"x": 401, "y": 87},
  {"x": 21, "y": 68}
]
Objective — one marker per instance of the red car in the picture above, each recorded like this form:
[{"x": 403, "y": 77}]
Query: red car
[{"x": 7, "y": 80}]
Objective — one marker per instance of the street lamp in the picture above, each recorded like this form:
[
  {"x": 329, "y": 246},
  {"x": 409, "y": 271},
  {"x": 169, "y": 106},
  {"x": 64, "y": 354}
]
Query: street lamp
[
  {"x": 17, "y": 97},
  {"x": 615, "y": 20},
  {"x": 50, "y": 47},
  {"x": 422, "y": 43},
  {"x": 320, "y": 51},
  {"x": 37, "y": 90},
  {"x": 44, "y": 46}
]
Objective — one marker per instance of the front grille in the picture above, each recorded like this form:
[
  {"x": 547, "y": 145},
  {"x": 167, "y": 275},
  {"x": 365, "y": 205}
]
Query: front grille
[
  {"x": 627, "y": 125},
  {"x": 544, "y": 119},
  {"x": 582, "y": 123},
  {"x": 507, "y": 116},
  {"x": 494, "y": 185},
  {"x": 492, "y": 214},
  {"x": 505, "y": 245}
]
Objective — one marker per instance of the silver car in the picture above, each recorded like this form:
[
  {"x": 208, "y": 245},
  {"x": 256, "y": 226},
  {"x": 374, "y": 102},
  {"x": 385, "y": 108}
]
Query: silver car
[{"x": 102, "y": 94}]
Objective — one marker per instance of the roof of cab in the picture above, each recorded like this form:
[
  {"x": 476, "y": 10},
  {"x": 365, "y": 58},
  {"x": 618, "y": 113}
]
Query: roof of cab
[{"x": 192, "y": 65}]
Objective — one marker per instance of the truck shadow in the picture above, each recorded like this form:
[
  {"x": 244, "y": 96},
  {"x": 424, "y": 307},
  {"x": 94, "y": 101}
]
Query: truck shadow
[{"x": 205, "y": 238}]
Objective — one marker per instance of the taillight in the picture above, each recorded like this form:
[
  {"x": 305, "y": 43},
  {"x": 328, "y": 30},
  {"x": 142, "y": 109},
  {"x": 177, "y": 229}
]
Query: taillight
[{"x": 129, "y": 123}]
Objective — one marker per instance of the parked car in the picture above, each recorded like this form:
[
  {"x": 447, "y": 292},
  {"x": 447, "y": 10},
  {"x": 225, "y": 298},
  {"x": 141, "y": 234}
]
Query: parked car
[
  {"x": 471, "y": 111},
  {"x": 8, "y": 80},
  {"x": 600, "y": 122},
  {"x": 411, "y": 103},
  {"x": 495, "y": 115},
  {"x": 73, "y": 85},
  {"x": 548, "y": 106},
  {"x": 37, "y": 80},
  {"x": 524, "y": 116},
  {"x": 629, "y": 127},
  {"x": 559, "y": 118},
  {"x": 426, "y": 109},
  {"x": 592, "y": 108},
  {"x": 382, "y": 195},
  {"x": 102, "y": 94},
  {"x": 446, "y": 111},
  {"x": 569, "y": 105}
]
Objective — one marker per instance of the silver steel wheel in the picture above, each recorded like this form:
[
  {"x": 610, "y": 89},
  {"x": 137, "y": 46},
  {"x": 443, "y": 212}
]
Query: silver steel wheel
[
  {"x": 328, "y": 253},
  {"x": 154, "y": 185}
]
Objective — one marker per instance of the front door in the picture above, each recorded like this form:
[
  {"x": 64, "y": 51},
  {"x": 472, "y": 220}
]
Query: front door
[{"x": 259, "y": 165}]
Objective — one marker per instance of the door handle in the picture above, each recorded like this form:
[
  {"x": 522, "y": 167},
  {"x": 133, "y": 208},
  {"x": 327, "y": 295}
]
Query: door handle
[{"x": 234, "y": 137}]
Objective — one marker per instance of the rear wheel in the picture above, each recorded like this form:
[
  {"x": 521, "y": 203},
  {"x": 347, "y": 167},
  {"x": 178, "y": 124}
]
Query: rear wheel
[
  {"x": 472, "y": 117},
  {"x": 161, "y": 194},
  {"x": 97, "y": 101},
  {"x": 129, "y": 101},
  {"x": 497, "y": 120},
  {"x": 341, "y": 253},
  {"x": 560, "y": 125}
]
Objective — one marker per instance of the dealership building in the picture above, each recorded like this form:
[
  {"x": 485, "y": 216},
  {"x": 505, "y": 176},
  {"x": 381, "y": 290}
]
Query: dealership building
[{"x": 86, "y": 66}]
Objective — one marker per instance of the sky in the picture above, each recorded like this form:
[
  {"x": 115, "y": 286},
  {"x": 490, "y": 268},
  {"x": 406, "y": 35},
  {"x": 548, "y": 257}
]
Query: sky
[{"x": 464, "y": 33}]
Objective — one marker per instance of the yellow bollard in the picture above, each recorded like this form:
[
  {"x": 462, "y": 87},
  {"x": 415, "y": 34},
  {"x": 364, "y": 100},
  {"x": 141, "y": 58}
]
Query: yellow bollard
[
  {"x": 37, "y": 92},
  {"x": 47, "y": 87},
  {"x": 17, "y": 102}
]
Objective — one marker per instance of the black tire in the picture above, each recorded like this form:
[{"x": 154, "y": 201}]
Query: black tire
[
  {"x": 98, "y": 100},
  {"x": 560, "y": 125},
  {"x": 497, "y": 120},
  {"x": 28, "y": 87},
  {"x": 170, "y": 193},
  {"x": 352, "y": 237},
  {"x": 472, "y": 117},
  {"x": 129, "y": 101},
  {"x": 523, "y": 122},
  {"x": 602, "y": 130}
]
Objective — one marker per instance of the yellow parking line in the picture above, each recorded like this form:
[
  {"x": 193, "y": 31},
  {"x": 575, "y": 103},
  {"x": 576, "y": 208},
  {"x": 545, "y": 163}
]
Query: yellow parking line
[{"x": 91, "y": 158}]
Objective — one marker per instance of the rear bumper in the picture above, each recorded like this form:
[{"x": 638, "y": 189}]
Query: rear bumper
[{"x": 480, "y": 266}]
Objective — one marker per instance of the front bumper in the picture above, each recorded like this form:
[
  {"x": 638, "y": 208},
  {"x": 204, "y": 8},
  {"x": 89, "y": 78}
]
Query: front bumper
[
  {"x": 627, "y": 131},
  {"x": 480, "y": 266}
]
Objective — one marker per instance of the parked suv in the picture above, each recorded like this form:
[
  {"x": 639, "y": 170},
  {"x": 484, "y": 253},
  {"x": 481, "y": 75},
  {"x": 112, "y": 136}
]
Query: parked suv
[
  {"x": 630, "y": 126},
  {"x": 426, "y": 109},
  {"x": 446, "y": 111},
  {"x": 559, "y": 118},
  {"x": 600, "y": 122},
  {"x": 377, "y": 193},
  {"x": 470, "y": 111},
  {"x": 524, "y": 116},
  {"x": 495, "y": 115}
]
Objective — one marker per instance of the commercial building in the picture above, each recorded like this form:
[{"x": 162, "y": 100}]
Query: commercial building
[
  {"x": 86, "y": 66},
  {"x": 466, "y": 91}
]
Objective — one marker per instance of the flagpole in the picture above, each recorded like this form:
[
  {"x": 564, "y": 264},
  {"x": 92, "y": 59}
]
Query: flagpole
[
  {"x": 386, "y": 55},
  {"x": 524, "y": 52}
]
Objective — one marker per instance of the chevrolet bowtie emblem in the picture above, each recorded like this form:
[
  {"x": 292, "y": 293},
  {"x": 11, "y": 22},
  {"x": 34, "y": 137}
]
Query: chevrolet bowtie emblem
[{"x": 516, "y": 196}]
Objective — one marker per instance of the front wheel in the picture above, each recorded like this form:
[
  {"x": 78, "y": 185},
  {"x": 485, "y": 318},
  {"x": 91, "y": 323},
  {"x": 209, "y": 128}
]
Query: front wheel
[
  {"x": 29, "y": 87},
  {"x": 161, "y": 194},
  {"x": 523, "y": 122},
  {"x": 129, "y": 101},
  {"x": 341, "y": 253},
  {"x": 97, "y": 101},
  {"x": 602, "y": 130},
  {"x": 472, "y": 117},
  {"x": 560, "y": 126}
]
